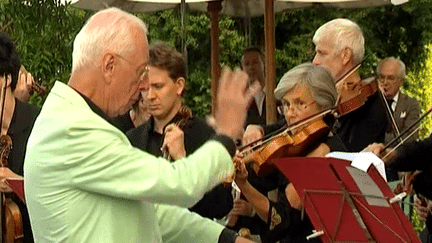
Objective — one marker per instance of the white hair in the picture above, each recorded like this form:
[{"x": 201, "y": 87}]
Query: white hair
[
  {"x": 345, "y": 34},
  {"x": 112, "y": 32},
  {"x": 318, "y": 79},
  {"x": 398, "y": 62}
]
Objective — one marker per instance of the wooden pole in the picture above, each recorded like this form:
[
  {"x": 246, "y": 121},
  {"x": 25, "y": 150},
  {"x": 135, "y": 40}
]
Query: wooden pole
[
  {"x": 270, "y": 60},
  {"x": 214, "y": 8}
]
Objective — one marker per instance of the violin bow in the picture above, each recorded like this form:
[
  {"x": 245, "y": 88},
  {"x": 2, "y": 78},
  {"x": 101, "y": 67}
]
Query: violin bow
[
  {"x": 345, "y": 76},
  {"x": 408, "y": 129},
  {"x": 285, "y": 129},
  {"x": 390, "y": 115},
  {"x": 3, "y": 101}
]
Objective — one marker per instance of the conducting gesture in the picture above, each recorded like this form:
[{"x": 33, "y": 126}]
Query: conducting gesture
[{"x": 232, "y": 101}]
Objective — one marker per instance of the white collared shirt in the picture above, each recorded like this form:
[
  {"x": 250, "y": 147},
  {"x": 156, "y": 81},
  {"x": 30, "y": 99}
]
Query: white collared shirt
[
  {"x": 395, "y": 99},
  {"x": 259, "y": 100}
]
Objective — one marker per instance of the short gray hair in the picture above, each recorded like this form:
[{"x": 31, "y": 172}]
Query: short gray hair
[
  {"x": 345, "y": 34},
  {"x": 113, "y": 33},
  {"x": 398, "y": 62},
  {"x": 318, "y": 79}
]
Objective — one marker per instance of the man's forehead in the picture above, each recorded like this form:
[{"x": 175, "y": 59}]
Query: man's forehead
[{"x": 389, "y": 66}]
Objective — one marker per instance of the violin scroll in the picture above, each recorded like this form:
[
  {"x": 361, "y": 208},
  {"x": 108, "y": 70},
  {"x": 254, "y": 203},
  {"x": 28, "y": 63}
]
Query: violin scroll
[{"x": 6, "y": 146}]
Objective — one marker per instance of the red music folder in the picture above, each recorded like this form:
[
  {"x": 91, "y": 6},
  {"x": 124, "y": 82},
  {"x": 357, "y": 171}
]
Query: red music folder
[
  {"x": 347, "y": 204},
  {"x": 17, "y": 186}
]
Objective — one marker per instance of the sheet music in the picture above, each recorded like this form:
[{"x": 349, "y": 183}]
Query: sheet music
[
  {"x": 368, "y": 187},
  {"x": 361, "y": 161}
]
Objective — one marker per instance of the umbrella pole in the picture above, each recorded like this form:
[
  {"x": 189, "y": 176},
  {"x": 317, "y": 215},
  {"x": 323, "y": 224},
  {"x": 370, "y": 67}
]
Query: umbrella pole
[
  {"x": 214, "y": 8},
  {"x": 270, "y": 67},
  {"x": 183, "y": 33}
]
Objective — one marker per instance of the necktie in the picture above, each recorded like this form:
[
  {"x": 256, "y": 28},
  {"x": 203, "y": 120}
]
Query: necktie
[{"x": 390, "y": 103}]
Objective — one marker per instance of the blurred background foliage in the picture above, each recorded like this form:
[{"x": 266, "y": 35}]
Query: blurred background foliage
[{"x": 44, "y": 30}]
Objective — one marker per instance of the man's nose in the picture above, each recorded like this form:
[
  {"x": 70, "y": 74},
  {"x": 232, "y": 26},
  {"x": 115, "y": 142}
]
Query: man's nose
[
  {"x": 316, "y": 60},
  {"x": 150, "y": 94}
]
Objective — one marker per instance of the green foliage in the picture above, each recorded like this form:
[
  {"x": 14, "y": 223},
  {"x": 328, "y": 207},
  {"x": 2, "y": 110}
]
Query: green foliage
[
  {"x": 43, "y": 32},
  {"x": 419, "y": 86},
  {"x": 166, "y": 26}
]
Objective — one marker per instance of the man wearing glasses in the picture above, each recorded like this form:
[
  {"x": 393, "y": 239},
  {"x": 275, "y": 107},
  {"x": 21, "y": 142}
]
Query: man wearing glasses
[
  {"x": 405, "y": 110},
  {"x": 84, "y": 180}
]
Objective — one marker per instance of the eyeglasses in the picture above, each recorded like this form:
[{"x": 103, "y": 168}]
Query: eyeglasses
[
  {"x": 296, "y": 105},
  {"x": 141, "y": 74},
  {"x": 382, "y": 78}
]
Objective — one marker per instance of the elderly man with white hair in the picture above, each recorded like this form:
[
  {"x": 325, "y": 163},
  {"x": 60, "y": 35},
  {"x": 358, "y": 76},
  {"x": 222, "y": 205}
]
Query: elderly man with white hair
[
  {"x": 84, "y": 180},
  {"x": 339, "y": 47}
]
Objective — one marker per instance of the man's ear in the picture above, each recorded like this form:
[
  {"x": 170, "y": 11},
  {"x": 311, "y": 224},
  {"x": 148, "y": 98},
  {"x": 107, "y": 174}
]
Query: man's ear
[
  {"x": 180, "y": 83},
  {"x": 347, "y": 55},
  {"x": 8, "y": 79},
  {"x": 108, "y": 66}
]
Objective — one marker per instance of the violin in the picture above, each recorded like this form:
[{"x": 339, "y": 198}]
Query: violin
[
  {"x": 350, "y": 100},
  {"x": 40, "y": 89},
  {"x": 186, "y": 115},
  {"x": 285, "y": 145},
  {"x": 12, "y": 226}
]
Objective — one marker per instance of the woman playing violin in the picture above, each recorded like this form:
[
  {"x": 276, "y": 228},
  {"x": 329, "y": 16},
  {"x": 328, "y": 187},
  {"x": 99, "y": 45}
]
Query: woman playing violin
[{"x": 304, "y": 91}]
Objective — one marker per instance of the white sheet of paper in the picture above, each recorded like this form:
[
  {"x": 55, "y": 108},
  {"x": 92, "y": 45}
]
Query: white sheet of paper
[{"x": 361, "y": 160}]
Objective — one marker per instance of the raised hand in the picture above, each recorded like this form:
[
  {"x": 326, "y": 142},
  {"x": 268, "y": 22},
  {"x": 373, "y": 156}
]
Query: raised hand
[{"x": 232, "y": 101}]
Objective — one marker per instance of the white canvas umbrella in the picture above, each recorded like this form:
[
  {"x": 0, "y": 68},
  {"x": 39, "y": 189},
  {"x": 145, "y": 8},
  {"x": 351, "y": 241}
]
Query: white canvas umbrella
[{"x": 135, "y": 6}]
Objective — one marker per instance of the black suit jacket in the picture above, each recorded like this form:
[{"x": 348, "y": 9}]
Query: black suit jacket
[
  {"x": 253, "y": 116},
  {"x": 365, "y": 125}
]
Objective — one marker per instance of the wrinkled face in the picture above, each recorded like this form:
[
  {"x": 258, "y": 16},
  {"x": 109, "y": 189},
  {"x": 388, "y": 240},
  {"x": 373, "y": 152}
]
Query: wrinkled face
[
  {"x": 164, "y": 94},
  {"x": 389, "y": 78},
  {"x": 130, "y": 76},
  {"x": 253, "y": 66},
  {"x": 325, "y": 56},
  {"x": 299, "y": 104}
]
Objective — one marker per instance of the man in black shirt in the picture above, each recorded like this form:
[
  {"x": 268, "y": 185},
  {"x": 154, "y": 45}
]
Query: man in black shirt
[{"x": 172, "y": 123}]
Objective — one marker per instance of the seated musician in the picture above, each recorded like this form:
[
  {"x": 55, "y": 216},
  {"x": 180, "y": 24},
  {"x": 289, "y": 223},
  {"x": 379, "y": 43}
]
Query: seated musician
[
  {"x": 304, "y": 91},
  {"x": 172, "y": 125}
]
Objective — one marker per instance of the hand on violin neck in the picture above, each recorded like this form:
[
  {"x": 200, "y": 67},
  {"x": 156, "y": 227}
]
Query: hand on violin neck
[
  {"x": 241, "y": 172},
  {"x": 174, "y": 142},
  {"x": 233, "y": 98}
]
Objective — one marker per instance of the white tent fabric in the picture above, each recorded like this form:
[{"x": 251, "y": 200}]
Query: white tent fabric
[{"x": 237, "y": 8}]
